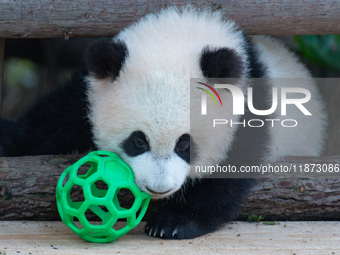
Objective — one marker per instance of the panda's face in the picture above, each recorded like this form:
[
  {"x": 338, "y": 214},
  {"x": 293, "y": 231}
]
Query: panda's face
[
  {"x": 159, "y": 174},
  {"x": 139, "y": 94},
  {"x": 147, "y": 123}
]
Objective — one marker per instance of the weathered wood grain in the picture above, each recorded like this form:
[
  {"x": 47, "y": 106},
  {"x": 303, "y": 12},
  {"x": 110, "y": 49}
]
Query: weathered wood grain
[
  {"x": 27, "y": 191},
  {"x": 240, "y": 238},
  {"x": 102, "y": 18}
]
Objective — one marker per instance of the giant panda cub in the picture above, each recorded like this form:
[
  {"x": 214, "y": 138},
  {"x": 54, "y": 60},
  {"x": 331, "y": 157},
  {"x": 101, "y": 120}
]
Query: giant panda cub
[{"x": 133, "y": 98}]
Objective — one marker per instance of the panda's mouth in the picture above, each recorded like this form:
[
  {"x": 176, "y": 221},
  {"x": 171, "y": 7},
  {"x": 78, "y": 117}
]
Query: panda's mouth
[{"x": 153, "y": 192}]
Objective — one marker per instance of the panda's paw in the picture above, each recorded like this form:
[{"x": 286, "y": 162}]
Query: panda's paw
[{"x": 168, "y": 225}]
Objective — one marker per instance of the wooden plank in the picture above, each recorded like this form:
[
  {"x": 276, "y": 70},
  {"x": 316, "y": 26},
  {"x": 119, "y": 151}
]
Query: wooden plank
[
  {"x": 27, "y": 191},
  {"x": 70, "y": 18},
  {"x": 2, "y": 55},
  {"x": 236, "y": 238}
]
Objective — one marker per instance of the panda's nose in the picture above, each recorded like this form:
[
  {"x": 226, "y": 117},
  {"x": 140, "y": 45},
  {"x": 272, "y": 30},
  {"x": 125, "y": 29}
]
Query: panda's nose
[{"x": 157, "y": 192}]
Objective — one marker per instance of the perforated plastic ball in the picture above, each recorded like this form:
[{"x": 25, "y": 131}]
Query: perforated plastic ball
[{"x": 91, "y": 187}]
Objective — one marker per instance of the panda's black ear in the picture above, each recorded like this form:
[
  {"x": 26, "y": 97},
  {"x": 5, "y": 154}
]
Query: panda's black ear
[
  {"x": 105, "y": 58},
  {"x": 221, "y": 63}
]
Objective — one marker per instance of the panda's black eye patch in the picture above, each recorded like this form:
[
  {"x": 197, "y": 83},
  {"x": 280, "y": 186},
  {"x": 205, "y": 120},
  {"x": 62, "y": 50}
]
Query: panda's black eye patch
[
  {"x": 136, "y": 144},
  {"x": 182, "y": 148}
]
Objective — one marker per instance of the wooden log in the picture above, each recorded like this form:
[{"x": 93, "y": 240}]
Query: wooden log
[
  {"x": 27, "y": 191},
  {"x": 87, "y": 18}
]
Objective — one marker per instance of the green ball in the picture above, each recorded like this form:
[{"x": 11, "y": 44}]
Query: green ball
[{"x": 97, "y": 190}]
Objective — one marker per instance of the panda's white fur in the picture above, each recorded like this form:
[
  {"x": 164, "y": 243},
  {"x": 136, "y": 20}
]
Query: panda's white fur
[
  {"x": 284, "y": 69},
  {"x": 152, "y": 93}
]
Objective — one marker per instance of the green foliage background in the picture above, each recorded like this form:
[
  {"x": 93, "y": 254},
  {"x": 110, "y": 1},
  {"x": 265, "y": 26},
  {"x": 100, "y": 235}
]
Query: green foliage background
[{"x": 322, "y": 51}]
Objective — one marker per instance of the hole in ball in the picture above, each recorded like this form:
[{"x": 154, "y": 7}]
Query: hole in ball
[
  {"x": 103, "y": 207},
  {"x": 67, "y": 177},
  {"x": 94, "y": 218},
  {"x": 77, "y": 223},
  {"x": 140, "y": 209},
  {"x": 103, "y": 155},
  {"x": 87, "y": 169},
  {"x": 120, "y": 224},
  {"x": 123, "y": 199},
  {"x": 99, "y": 188},
  {"x": 76, "y": 196}
]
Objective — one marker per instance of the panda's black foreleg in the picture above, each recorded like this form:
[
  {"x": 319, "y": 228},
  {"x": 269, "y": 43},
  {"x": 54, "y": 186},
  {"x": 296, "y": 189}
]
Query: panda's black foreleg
[
  {"x": 8, "y": 132},
  {"x": 56, "y": 124},
  {"x": 202, "y": 208}
]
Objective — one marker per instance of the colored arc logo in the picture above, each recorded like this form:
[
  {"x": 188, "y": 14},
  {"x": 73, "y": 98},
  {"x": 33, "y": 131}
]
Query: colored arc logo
[{"x": 209, "y": 93}]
